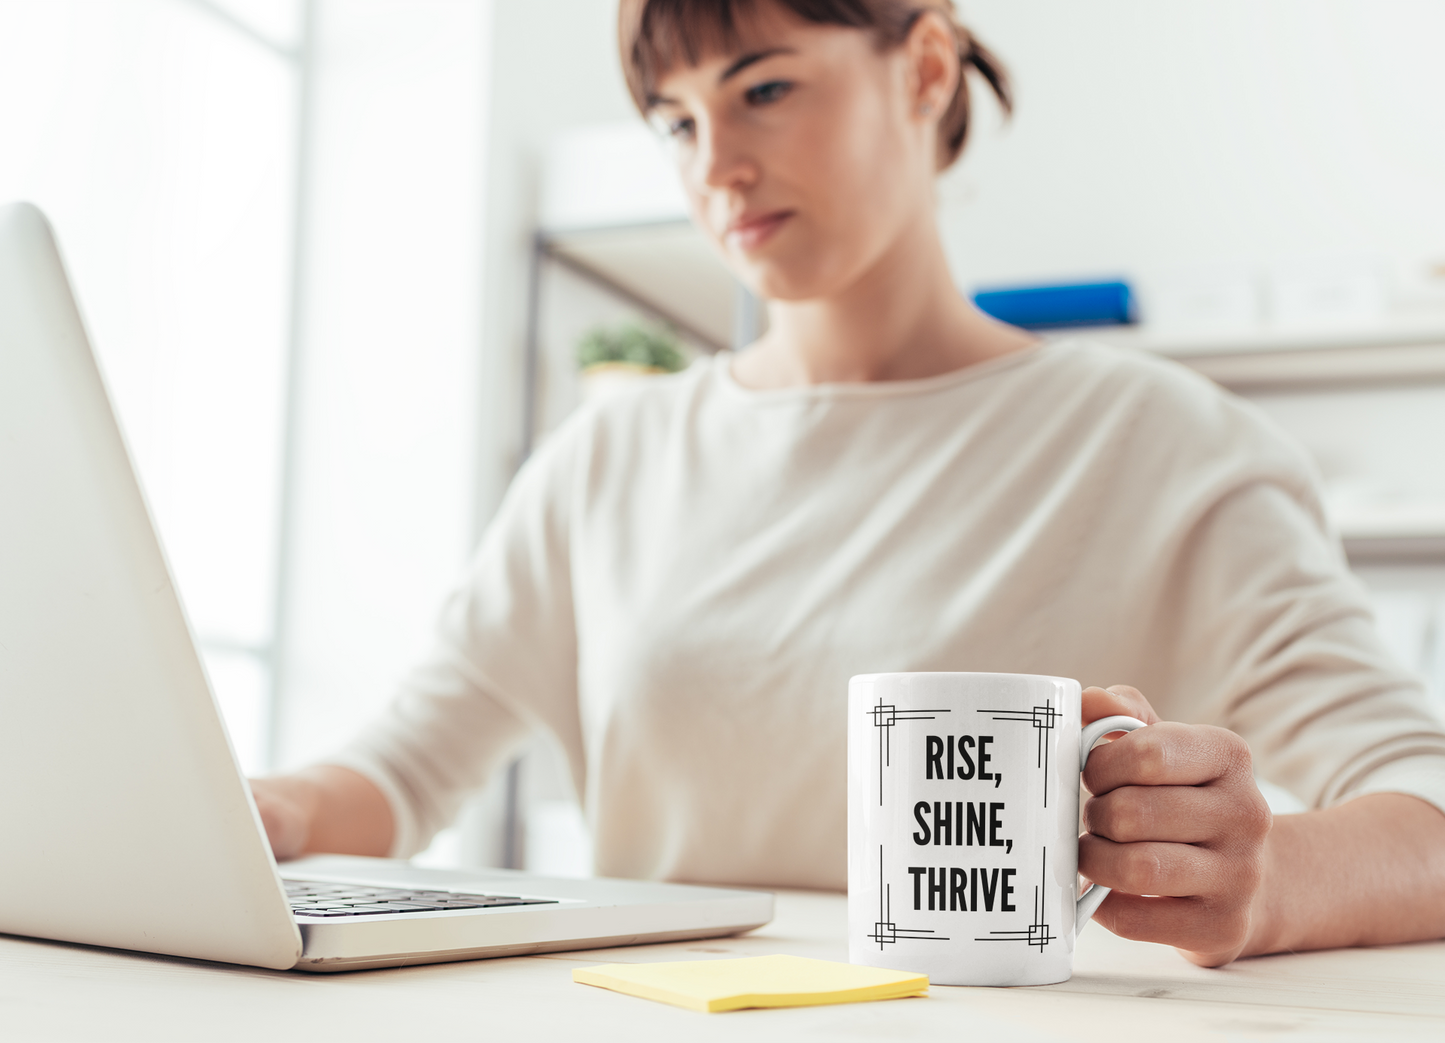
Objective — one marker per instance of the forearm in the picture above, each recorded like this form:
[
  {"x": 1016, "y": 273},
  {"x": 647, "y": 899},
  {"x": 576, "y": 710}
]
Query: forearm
[
  {"x": 325, "y": 808},
  {"x": 1367, "y": 872}
]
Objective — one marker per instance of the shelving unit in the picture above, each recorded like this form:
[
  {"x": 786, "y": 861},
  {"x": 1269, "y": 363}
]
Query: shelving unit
[
  {"x": 662, "y": 268},
  {"x": 665, "y": 269}
]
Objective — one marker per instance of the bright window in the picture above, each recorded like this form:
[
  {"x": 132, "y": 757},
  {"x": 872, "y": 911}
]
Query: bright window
[{"x": 159, "y": 138}]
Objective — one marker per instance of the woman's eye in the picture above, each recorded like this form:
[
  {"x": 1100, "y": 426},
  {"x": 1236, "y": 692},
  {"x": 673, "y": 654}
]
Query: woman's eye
[
  {"x": 767, "y": 93},
  {"x": 679, "y": 128}
]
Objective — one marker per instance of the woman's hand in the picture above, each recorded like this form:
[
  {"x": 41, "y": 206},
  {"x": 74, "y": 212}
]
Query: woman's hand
[
  {"x": 1177, "y": 827},
  {"x": 285, "y": 813},
  {"x": 324, "y": 808}
]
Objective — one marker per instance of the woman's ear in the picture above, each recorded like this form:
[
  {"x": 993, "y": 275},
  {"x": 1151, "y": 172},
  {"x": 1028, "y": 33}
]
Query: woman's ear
[{"x": 934, "y": 69}]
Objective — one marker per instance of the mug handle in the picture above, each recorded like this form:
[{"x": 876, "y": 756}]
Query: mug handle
[{"x": 1091, "y": 899}]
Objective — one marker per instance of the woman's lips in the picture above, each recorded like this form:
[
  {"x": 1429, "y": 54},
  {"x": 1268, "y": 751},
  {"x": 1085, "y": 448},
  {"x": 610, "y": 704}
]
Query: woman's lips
[{"x": 749, "y": 233}]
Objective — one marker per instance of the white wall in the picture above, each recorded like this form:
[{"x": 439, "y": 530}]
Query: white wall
[
  {"x": 554, "y": 66},
  {"x": 382, "y": 512},
  {"x": 1237, "y": 132}
]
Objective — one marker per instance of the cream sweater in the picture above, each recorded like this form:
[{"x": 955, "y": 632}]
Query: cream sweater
[{"x": 681, "y": 581}]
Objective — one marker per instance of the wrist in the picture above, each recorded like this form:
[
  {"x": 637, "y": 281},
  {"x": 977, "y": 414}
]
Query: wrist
[
  {"x": 1267, "y": 915},
  {"x": 344, "y": 812}
]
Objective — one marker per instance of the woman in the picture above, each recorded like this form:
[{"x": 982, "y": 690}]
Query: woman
[{"x": 680, "y": 583}]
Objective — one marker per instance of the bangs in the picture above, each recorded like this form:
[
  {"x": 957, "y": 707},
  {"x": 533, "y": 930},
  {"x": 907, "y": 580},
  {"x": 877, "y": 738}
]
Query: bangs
[{"x": 658, "y": 35}]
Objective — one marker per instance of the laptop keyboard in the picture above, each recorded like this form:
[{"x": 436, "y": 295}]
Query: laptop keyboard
[{"x": 313, "y": 898}]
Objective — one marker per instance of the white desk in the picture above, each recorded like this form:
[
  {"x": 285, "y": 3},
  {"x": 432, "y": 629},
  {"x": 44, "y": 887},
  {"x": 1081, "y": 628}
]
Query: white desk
[{"x": 1120, "y": 991}]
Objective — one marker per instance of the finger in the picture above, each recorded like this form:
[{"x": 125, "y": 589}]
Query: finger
[
  {"x": 1211, "y": 933},
  {"x": 1116, "y": 700},
  {"x": 1174, "y": 814},
  {"x": 1167, "y": 754},
  {"x": 1155, "y": 868},
  {"x": 284, "y": 826}
]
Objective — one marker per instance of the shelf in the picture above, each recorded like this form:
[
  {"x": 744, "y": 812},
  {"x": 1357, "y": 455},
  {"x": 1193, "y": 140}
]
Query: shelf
[
  {"x": 1321, "y": 369},
  {"x": 1395, "y": 550},
  {"x": 613, "y": 211},
  {"x": 1400, "y": 351},
  {"x": 665, "y": 266},
  {"x": 1410, "y": 530},
  {"x": 1400, "y": 330}
]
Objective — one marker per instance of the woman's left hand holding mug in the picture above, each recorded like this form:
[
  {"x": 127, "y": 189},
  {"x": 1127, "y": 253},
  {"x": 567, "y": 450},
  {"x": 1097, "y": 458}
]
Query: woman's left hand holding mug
[{"x": 1175, "y": 816}]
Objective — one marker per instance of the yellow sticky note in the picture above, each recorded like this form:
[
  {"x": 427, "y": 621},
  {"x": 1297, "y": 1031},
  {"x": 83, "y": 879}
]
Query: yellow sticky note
[{"x": 758, "y": 981}]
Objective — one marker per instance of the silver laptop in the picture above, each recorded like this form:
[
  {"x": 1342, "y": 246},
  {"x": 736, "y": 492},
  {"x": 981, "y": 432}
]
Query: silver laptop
[{"x": 124, "y": 819}]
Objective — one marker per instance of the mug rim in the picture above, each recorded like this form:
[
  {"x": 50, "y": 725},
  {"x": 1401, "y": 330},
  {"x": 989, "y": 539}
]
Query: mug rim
[{"x": 962, "y": 673}]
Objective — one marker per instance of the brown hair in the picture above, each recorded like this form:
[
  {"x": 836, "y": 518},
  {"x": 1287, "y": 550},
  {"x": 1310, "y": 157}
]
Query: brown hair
[{"x": 654, "y": 35}]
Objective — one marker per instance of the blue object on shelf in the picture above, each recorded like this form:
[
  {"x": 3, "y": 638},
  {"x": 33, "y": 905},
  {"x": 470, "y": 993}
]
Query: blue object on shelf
[{"x": 1047, "y": 307}]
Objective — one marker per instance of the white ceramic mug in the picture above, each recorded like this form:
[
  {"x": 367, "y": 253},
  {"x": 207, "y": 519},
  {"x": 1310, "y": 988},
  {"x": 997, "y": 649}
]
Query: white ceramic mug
[{"x": 963, "y": 810}]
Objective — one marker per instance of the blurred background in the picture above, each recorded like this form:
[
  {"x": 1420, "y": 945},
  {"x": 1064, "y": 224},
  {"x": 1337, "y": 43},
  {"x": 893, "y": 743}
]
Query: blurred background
[{"x": 338, "y": 257}]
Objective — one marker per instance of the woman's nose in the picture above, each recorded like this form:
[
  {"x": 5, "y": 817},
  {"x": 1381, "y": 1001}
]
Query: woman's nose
[{"x": 722, "y": 159}]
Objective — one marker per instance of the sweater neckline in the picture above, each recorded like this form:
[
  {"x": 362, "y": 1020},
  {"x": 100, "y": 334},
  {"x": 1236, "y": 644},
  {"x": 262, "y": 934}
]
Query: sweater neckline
[{"x": 721, "y": 370}]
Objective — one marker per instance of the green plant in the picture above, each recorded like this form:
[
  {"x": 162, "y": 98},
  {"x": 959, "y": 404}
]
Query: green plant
[{"x": 637, "y": 343}]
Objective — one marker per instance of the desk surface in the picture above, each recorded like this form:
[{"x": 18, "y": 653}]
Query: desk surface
[{"x": 1120, "y": 990}]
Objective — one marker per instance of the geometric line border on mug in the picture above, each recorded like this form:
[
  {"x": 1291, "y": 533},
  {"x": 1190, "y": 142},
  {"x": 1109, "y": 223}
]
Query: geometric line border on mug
[
  {"x": 885, "y": 931},
  {"x": 1043, "y": 718},
  {"x": 885, "y": 716},
  {"x": 1038, "y": 934}
]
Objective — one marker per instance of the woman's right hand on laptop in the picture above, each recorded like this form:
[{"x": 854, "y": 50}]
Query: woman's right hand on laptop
[{"x": 323, "y": 809}]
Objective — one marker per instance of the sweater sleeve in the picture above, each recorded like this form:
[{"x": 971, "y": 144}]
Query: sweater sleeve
[
  {"x": 1271, "y": 636},
  {"x": 504, "y": 663}
]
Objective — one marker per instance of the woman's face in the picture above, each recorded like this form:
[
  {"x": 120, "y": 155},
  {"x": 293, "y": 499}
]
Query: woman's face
[{"x": 804, "y": 153}]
